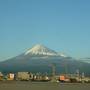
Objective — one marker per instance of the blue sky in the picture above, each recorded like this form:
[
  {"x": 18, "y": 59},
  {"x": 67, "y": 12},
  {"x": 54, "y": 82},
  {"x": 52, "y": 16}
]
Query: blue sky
[{"x": 62, "y": 25}]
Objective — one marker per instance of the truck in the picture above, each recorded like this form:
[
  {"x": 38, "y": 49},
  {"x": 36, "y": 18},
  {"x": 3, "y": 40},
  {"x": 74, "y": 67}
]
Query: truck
[
  {"x": 10, "y": 76},
  {"x": 64, "y": 78},
  {"x": 23, "y": 76}
]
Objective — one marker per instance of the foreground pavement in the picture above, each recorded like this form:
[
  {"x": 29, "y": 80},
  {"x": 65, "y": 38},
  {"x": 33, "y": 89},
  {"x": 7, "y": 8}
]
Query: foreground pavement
[{"x": 27, "y": 85}]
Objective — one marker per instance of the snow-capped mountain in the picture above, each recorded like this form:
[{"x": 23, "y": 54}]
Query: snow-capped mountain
[
  {"x": 39, "y": 58},
  {"x": 42, "y": 50}
]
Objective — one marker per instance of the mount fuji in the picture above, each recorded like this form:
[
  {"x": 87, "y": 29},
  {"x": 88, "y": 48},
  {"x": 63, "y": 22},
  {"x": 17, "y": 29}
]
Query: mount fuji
[
  {"x": 42, "y": 50},
  {"x": 39, "y": 58}
]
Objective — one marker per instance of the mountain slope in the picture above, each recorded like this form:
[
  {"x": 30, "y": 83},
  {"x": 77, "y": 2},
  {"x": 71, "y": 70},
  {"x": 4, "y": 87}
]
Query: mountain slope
[{"x": 39, "y": 58}]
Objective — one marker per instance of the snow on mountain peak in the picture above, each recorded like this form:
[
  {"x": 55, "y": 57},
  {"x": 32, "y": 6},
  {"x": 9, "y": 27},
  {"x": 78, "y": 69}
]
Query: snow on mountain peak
[
  {"x": 62, "y": 54},
  {"x": 41, "y": 50}
]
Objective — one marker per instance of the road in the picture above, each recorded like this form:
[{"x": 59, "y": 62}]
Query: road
[{"x": 27, "y": 85}]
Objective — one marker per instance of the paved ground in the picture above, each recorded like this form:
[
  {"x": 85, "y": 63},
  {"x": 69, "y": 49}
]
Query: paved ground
[{"x": 41, "y": 86}]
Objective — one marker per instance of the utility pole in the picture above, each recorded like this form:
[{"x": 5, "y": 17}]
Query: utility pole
[
  {"x": 83, "y": 75},
  {"x": 53, "y": 70},
  {"x": 66, "y": 67},
  {"x": 77, "y": 73},
  {"x": 53, "y": 66}
]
